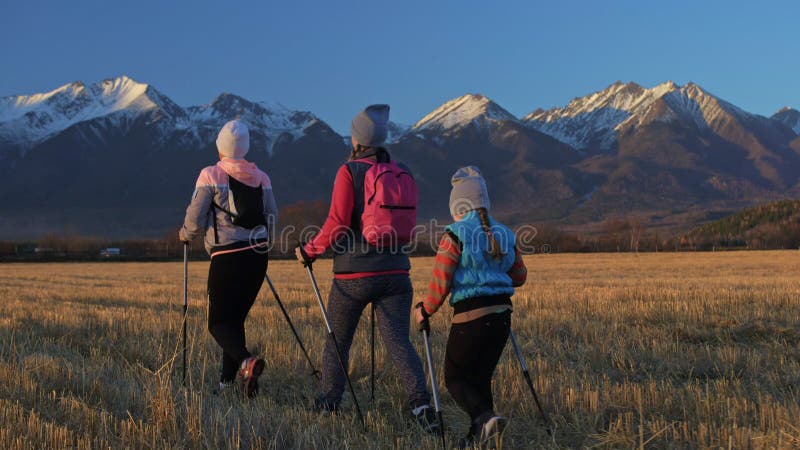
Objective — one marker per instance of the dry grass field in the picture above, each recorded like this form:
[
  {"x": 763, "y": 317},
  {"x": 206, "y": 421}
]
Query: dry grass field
[{"x": 626, "y": 351}]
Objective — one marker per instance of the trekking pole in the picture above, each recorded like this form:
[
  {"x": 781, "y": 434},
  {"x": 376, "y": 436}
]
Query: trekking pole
[
  {"x": 425, "y": 328},
  {"x": 372, "y": 339},
  {"x": 310, "y": 268},
  {"x": 314, "y": 371},
  {"x": 527, "y": 376},
  {"x": 185, "y": 304}
]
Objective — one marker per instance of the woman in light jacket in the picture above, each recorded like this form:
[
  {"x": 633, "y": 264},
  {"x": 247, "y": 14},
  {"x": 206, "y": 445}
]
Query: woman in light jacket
[{"x": 233, "y": 206}]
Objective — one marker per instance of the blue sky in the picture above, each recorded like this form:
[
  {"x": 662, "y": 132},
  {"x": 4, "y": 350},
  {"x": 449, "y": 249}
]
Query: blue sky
[{"x": 334, "y": 57}]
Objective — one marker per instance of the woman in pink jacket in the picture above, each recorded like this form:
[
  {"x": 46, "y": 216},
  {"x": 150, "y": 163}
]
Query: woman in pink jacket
[
  {"x": 367, "y": 274},
  {"x": 234, "y": 207}
]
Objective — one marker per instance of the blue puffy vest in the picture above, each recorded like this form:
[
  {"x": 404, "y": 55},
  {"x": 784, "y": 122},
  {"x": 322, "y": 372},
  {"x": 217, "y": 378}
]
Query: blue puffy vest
[{"x": 478, "y": 274}]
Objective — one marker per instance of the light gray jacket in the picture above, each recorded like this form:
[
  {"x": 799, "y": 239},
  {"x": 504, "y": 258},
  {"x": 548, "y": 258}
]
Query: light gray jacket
[{"x": 212, "y": 186}]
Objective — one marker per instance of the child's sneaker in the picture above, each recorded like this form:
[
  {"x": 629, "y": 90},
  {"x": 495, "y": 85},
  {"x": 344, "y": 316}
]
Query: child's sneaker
[
  {"x": 492, "y": 432},
  {"x": 426, "y": 418},
  {"x": 470, "y": 439},
  {"x": 223, "y": 387},
  {"x": 248, "y": 374},
  {"x": 466, "y": 442}
]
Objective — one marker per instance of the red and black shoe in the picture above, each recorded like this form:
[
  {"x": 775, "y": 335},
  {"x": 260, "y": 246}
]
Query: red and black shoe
[{"x": 248, "y": 374}]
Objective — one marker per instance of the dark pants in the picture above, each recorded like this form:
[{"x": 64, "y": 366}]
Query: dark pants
[
  {"x": 473, "y": 350},
  {"x": 392, "y": 296},
  {"x": 234, "y": 280}
]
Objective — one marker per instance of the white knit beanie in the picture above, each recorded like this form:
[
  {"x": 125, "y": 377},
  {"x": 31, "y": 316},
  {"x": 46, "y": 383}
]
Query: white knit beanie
[
  {"x": 233, "y": 140},
  {"x": 469, "y": 191}
]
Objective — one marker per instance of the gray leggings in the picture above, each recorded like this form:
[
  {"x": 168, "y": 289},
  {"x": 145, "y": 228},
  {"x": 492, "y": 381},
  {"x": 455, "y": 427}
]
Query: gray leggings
[{"x": 392, "y": 296}]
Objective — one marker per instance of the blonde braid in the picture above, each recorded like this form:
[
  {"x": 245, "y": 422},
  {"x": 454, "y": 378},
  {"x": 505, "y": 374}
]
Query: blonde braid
[{"x": 494, "y": 247}]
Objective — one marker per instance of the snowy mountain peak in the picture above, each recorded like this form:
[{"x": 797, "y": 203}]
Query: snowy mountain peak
[
  {"x": 691, "y": 89},
  {"x": 668, "y": 85},
  {"x": 263, "y": 115},
  {"x": 28, "y": 119},
  {"x": 396, "y": 131},
  {"x": 233, "y": 102},
  {"x": 123, "y": 90},
  {"x": 593, "y": 121},
  {"x": 17, "y": 106},
  {"x": 618, "y": 96},
  {"x": 789, "y": 117},
  {"x": 274, "y": 121},
  {"x": 462, "y": 111}
]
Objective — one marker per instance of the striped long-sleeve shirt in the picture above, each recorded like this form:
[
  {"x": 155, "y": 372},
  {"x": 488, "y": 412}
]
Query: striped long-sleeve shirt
[{"x": 445, "y": 265}]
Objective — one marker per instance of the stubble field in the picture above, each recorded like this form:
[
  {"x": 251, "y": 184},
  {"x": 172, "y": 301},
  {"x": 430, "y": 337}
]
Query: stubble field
[{"x": 654, "y": 351}]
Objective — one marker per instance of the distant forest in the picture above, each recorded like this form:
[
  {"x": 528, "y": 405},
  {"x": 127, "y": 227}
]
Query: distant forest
[
  {"x": 773, "y": 225},
  {"x": 770, "y": 226}
]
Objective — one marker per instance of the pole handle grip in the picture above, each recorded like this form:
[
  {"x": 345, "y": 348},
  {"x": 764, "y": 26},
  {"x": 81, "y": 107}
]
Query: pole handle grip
[
  {"x": 307, "y": 260},
  {"x": 425, "y": 325}
]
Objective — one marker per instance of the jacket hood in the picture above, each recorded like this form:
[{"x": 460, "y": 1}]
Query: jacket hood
[{"x": 244, "y": 171}]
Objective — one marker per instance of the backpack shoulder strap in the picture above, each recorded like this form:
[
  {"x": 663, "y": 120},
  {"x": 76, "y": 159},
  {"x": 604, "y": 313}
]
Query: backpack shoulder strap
[
  {"x": 358, "y": 171},
  {"x": 214, "y": 220},
  {"x": 382, "y": 155},
  {"x": 226, "y": 211},
  {"x": 214, "y": 207},
  {"x": 219, "y": 207}
]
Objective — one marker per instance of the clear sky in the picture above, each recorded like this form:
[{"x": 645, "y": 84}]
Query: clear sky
[{"x": 334, "y": 57}]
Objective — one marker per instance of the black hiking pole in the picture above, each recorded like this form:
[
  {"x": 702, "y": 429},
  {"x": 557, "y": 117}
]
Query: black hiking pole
[
  {"x": 185, "y": 304},
  {"x": 527, "y": 376},
  {"x": 372, "y": 344},
  {"x": 310, "y": 268},
  {"x": 314, "y": 371},
  {"x": 425, "y": 328}
]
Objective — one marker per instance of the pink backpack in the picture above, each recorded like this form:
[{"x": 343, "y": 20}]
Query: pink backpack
[{"x": 390, "y": 205}]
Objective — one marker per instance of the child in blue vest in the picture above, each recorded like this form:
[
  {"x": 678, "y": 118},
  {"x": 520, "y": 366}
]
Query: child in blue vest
[{"x": 478, "y": 266}]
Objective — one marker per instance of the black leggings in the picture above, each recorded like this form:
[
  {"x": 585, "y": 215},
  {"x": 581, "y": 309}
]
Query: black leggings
[
  {"x": 234, "y": 280},
  {"x": 473, "y": 350}
]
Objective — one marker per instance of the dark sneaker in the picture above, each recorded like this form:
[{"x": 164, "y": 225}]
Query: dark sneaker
[
  {"x": 323, "y": 405},
  {"x": 466, "y": 442},
  {"x": 249, "y": 372},
  {"x": 426, "y": 418},
  {"x": 492, "y": 432}
]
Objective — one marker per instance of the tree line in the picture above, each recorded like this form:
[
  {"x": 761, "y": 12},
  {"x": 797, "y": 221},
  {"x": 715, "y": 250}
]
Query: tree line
[{"x": 771, "y": 226}]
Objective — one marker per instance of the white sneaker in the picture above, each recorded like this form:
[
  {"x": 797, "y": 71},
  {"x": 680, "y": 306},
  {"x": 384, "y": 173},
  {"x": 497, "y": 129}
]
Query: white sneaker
[
  {"x": 425, "y": 416},
  {"x": 492, "y": 432}
]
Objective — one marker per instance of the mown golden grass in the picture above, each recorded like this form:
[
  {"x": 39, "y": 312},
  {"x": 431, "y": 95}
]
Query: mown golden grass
[{"x": 656, "y": 351}]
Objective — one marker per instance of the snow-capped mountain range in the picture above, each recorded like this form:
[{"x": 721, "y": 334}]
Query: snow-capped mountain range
[
  {"x": 662, "y": 152},
  {"x": 594, "y": 121},
  {"x": 29, "y": 119}
]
